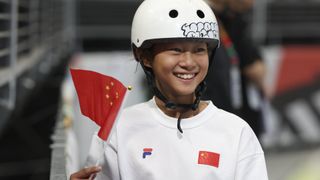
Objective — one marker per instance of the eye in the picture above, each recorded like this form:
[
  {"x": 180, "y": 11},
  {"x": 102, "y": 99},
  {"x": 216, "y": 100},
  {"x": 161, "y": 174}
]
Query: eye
[
  {"x": 178, "y": 50},
  {"x": 173, "y": 13},
  {"x": 201, "y": 50},
  {"x": 200, "y": 14}
]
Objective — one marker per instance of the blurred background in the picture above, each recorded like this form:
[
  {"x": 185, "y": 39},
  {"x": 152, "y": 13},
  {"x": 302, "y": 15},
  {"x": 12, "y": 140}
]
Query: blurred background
[{"x": 44, "y": 136}]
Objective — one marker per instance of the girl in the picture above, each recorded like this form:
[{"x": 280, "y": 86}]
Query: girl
[{"x": 176, "y": 135}]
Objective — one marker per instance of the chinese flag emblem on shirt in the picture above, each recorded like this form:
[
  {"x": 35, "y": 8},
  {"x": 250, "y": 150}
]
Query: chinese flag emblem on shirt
[
  {"x": 100, "y": 98},
  {"x": 209, "y": 158}
]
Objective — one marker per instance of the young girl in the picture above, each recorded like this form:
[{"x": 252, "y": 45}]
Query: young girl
[{"x": 175, "y": 135}]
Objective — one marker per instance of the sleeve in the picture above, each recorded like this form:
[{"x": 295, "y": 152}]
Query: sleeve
[
  {"x": 238, "y": 29},
  {"x": 247, "y": 51},
  {"x": 104, "y": 154},
  {"x": 251, "y": 161}
]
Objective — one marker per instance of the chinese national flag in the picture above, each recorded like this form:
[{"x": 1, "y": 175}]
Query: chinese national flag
[
  {"x": 100, "y": 98},
  {"x": 209, "y": 158}
]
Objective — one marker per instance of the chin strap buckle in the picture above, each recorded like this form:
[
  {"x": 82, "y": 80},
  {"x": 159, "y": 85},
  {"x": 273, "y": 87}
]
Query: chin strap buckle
[{"x": 171, "y": 105}]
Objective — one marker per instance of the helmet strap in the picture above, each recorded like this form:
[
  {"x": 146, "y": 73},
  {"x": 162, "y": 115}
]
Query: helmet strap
[{"x": 172, "y": 105}]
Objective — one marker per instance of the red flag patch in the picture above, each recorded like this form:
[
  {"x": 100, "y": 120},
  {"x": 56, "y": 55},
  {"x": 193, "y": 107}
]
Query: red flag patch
[
  {"x": 209, "y": 158},
  {"x": 100, "y": 98}
]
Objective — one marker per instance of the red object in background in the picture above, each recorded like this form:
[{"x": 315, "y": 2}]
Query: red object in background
[
  {"x": 209, "y": 158},
  {"x": 100, "y": 98},
  {"x": 300, "y": 66}
]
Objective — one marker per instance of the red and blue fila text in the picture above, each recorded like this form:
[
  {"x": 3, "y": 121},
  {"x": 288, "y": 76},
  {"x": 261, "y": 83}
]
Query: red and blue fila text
[{"x": 146, "y": 152}]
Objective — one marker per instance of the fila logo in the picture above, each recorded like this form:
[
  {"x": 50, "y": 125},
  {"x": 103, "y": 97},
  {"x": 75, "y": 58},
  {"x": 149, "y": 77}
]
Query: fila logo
[{"x": 146, "y": 152}]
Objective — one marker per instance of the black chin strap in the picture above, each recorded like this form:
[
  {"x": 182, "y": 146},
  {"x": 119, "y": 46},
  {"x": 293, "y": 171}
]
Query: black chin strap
[
  {"x": 172, "y": 105},
  {"x": 179, "y": 123}
]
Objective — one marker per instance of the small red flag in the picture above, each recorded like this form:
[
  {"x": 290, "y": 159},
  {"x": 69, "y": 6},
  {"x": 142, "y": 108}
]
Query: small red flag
[
  {"x": 209, "y": 158},
  {"x": 100, "y": 98}
]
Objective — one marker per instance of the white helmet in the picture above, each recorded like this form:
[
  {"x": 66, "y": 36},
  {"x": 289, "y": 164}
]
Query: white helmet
[{"x": 174, "y": 19}]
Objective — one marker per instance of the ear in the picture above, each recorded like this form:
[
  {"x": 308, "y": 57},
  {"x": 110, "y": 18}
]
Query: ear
[
  {"x": 146, "y": 62},
  {"x": 144, "y": 57}
]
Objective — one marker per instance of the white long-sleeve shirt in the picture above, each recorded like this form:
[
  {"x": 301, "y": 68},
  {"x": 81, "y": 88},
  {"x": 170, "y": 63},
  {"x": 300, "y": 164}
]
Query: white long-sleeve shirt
[{"x": 146, "y": 145}]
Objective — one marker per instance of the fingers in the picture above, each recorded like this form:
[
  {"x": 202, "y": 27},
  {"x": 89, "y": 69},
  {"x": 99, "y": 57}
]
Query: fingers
[
  {"x": 86, "y": 173},
  {"x": 92, "y": 176}
]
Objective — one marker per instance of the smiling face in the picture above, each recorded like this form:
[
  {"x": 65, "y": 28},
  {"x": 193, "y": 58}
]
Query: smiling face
[{"x": 179, "y": 67}]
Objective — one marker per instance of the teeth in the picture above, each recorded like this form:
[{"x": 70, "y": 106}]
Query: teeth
[{"x": 186, "y": 76}]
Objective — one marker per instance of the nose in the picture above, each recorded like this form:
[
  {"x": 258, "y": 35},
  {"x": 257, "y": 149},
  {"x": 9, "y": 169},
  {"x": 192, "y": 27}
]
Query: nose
[{"x": 187, "y": 60}]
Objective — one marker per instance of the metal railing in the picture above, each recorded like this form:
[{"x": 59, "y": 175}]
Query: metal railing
[
  {"x": 35, "y": 36},
  {"x": 58, "y": 155},
  {"x": 9, "y": 36},
  {"x": 291, "y": 20},
  {"x": 32, "y": 32}
]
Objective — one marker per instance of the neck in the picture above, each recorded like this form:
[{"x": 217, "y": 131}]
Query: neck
[{"x": 186, "y": 113}]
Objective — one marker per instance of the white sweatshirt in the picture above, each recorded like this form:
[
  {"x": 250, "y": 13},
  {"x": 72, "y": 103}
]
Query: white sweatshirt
[{"x": 215, "y": 145}]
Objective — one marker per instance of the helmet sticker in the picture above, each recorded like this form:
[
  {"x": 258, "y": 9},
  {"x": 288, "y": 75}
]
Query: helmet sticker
[{"x": 200, "y": 30}]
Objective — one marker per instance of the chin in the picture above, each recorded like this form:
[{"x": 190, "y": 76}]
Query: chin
[{"x": 185, "y": 92}]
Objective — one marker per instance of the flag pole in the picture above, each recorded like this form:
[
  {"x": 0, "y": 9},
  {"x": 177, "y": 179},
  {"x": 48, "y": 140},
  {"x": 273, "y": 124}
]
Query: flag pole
[{"x": 102, "y": 142}]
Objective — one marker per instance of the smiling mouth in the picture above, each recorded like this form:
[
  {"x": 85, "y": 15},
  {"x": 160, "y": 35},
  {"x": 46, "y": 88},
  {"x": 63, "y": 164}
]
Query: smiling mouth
[{"x": 185, "y": 76}]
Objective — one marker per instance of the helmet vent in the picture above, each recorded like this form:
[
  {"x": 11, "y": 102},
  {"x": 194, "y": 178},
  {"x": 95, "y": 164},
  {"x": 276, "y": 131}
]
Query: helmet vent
[
  {"x": 173, "y": 13},
  {"x": 200, "y": 14}
]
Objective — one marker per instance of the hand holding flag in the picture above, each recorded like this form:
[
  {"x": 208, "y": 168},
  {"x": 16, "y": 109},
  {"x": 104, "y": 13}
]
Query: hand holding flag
[{"x": 100, "y": 98}]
